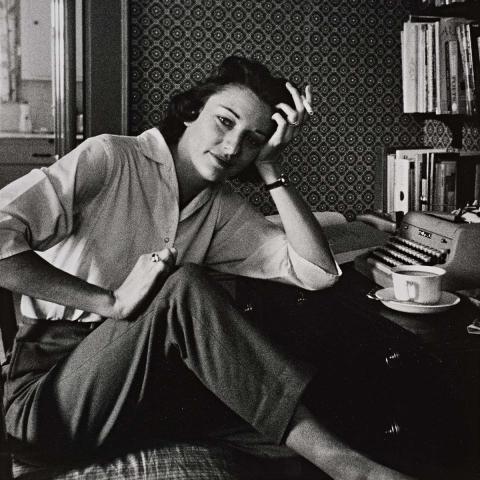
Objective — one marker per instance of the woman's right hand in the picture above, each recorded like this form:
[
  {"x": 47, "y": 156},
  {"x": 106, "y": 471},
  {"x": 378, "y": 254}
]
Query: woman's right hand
[{"x": 148, "y": 274}]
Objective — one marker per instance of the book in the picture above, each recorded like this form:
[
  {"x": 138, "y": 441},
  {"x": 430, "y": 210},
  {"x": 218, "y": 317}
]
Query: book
[
  {"x": 430, "y": 169},
  {"x": 466, "y": 176},
  {"x": 473, "y": 36},
  {"x": 476, "y": 187},
  {"x": 445, "y": 186},
  {"x": 447, "y": 65},
  {"x": 409, "y": 183},
  {"x": 449, "y": 168},
  {"x": 414, "y": 191},
  {"x": 422, "y": 69},
  {"x": 465, "y": 48},
  {"x": 431, "y": 77},
  {"x": 409, "y": 42},
  {"x": 443, "y": 181},
  {"x": 390, "y": 172},
  {"x": 454, "y": 77},
  {"x": 439, "y": 80},
  {"x": 417, "y": 188},
  {"x": 402, "y": 185}
]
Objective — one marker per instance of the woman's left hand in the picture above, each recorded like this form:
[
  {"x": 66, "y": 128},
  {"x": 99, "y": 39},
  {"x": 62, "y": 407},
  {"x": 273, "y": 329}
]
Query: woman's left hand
[{"x": 287, "y": 123}]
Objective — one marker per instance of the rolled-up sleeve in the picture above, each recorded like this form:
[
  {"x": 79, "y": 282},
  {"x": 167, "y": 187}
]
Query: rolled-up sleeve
[
  {"x": 246, "y": 243},
  {"x": 37, "y": 211}
]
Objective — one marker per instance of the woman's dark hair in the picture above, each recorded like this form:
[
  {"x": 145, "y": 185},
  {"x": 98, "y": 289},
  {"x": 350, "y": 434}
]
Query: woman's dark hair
[{"x": 234, "y": 70}]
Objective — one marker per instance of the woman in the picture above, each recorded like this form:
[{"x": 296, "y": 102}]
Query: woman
[{"x": 117, "y": 319}]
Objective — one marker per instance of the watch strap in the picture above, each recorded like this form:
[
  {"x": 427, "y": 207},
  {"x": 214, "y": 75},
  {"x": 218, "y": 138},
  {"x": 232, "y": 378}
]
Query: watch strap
[{"x": 282, "y": 181}]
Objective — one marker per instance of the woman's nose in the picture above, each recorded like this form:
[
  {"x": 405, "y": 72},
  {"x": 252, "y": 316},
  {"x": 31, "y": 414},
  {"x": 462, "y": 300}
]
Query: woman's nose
[{"x": 232, "y": 144}]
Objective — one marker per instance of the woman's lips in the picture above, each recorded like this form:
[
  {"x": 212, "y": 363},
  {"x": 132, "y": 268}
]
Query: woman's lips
[{"x": 220, "y": 161}]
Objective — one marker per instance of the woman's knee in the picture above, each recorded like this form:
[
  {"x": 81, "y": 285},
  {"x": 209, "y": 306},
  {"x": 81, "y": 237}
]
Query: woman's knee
[{"x": 189, "y": 276}]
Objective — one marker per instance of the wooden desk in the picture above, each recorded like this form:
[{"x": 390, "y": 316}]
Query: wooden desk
[{"x": 403, "y": 387}]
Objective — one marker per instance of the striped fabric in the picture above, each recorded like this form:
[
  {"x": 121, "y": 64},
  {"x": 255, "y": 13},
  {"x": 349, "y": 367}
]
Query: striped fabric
[{"x": 180, "y": 462}]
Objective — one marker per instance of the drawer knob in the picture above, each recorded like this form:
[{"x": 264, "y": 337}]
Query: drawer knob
[
  {"x": 301, "y": 298},
  {"x": 248, "y": 308},
  {"x": 393, "y": 430},
  {"x": 392, "y": 359}
]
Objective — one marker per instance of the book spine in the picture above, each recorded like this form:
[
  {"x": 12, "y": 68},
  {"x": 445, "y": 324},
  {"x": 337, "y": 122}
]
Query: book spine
[
  {"x": 390, "y": 174},
  {"x": 417, "y": 184},
  {"x": 409, "y": 67},
  {"x": 411, "y": 187},
  {"x": 439, "y": 188},
  {"x": 424, "y": 195},
  {"x": 448, "y": 64},
  {"x": 430, "y": 179},
  {"x": 462, "y": 92},
  {"x": 474, "y": 33},
  {"x": 472, "y": 97},
  {"x": 401, "y": 185},
  {"x": 442, "y": 67},
  {"x": 430, "y": 69},
  {"x": 434, "y": 70},
  {"x": 450, "y": 183},
  {"x": 454, "y": 77},
  {"x": 476, "y": 188},
  {"x": 439, "y": 71},
  {"x": 421, "y": 70},
  {"x": 466, "y": 68},
  {"x": 448, "y": 100}
]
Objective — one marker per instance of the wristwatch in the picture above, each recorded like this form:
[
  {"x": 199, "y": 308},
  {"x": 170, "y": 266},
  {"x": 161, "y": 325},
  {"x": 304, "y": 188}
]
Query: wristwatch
[{"x": 282, "y": 181}]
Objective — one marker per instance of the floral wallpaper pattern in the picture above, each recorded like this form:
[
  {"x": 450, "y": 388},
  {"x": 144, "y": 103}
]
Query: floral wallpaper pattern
[{"x": 348, "y": 50}]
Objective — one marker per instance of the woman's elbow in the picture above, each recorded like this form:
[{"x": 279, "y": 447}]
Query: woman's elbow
[{"x": 322, "y": 282}]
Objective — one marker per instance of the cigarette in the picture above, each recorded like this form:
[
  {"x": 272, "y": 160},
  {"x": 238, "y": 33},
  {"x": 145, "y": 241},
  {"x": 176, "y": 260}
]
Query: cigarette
[{"x": 308, "y": 107}]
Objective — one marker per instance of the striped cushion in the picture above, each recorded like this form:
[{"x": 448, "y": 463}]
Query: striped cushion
[{"x": 175, "y": 461}]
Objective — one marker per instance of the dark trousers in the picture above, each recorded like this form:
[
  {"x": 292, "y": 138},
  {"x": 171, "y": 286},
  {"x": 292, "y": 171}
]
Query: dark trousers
[{"x": 187, "y": 366}]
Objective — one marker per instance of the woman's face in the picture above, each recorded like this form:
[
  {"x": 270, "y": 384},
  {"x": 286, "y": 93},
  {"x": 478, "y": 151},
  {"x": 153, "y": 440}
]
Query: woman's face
[{"x": 227, "y": 135}]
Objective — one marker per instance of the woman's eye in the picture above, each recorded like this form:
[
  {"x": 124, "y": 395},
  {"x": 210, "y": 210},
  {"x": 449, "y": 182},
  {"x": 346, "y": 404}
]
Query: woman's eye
[{"x": 225, "y": 121}]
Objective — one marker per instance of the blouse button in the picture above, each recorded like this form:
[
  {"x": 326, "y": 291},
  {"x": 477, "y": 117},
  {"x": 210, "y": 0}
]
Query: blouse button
[{"x": 166, "y": 239}]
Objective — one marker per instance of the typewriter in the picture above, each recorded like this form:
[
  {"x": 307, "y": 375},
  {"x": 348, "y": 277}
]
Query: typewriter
[{"x": 428, "y": 238}]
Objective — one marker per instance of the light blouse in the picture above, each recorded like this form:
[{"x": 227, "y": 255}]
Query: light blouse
[{"x": 96, "y": 210}]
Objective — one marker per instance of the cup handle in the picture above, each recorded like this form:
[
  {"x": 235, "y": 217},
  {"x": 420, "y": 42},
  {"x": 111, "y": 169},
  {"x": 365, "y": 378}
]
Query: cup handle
[{"x": 412, "y": 289}]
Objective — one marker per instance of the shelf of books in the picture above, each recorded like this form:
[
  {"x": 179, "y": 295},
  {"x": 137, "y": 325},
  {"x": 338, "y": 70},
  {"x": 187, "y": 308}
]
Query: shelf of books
[
  {"x": 441, "y": 65},
  {"x": 448, "y": 8},
  {"x": 429, "y": 179}
]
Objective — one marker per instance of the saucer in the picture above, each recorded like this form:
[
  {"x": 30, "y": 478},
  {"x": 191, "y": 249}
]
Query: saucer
[{"x": 387, "y": 297}]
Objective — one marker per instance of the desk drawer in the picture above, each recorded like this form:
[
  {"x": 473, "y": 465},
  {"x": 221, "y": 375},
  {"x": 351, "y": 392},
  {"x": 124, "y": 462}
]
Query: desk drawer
[{"x": 377, "y": 385}]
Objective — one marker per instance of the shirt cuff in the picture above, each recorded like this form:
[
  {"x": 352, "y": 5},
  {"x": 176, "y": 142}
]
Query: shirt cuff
[{"x": 311, "y": 276}]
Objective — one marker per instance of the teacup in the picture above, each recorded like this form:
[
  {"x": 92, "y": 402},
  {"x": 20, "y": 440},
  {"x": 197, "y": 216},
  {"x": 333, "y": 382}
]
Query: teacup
[{"x": 418, "y": 283}]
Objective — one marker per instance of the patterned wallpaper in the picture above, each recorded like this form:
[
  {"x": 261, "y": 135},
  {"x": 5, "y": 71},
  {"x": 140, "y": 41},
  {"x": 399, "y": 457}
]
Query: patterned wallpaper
[{"x": 348, "y": 50}]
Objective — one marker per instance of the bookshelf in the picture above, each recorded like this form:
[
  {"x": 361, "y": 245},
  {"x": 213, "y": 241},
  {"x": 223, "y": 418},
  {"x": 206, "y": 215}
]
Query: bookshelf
[
  {"x": 466, "y": 9},
  {"x": 441, "y": 81},
  {"x": 423, "y": 178},
  {"x": 441, "y": 63}
]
